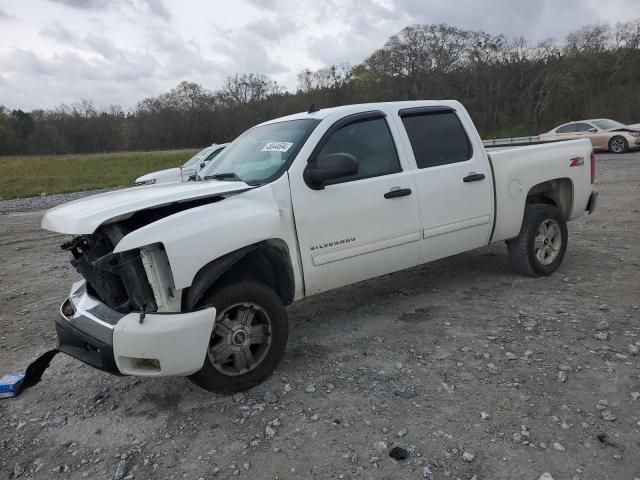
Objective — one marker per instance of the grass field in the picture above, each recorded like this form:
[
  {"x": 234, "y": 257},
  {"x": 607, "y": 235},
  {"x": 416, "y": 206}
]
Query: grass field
[{"x": 30, "y": 176}]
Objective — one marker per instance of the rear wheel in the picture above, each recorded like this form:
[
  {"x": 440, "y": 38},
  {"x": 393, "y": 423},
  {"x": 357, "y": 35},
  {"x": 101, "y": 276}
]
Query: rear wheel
[
  {"x": 618, "y": 145},
  {"x": 248, "y": 339},
  {"x": 542, "y": 243}
]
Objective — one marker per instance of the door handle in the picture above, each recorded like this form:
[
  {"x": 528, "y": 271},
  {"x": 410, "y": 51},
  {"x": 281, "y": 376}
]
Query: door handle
[
  {"x": 397, "y": 192},
  {"x": 473, "y": 177}
]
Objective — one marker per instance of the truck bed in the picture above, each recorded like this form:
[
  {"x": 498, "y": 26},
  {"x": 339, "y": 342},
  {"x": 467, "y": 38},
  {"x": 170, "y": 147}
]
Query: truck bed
[{"x": 517, "y": 170}]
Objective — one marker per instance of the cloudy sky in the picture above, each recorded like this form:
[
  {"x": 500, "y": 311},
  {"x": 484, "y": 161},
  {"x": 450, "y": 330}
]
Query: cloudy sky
[{"x": 120, "y": 51}]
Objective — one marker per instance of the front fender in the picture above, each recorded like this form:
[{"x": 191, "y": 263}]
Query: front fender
[{"x": 192, "y": 238}]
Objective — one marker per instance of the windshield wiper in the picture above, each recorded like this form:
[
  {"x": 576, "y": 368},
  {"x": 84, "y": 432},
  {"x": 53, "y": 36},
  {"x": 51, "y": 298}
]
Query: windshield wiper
[{"x": 224, "y": 176}]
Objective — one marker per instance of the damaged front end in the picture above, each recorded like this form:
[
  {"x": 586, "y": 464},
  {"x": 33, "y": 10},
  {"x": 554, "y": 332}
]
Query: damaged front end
[
  {"x": 125, "y": 317},
  {"x": 137, "y": 280},
  {"x": 118, "y": 280}
]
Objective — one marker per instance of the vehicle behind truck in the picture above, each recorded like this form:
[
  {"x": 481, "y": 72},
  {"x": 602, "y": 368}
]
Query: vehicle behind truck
[
  {"x": 193, "y": 278},
  {"x": 185, "y": 172}
]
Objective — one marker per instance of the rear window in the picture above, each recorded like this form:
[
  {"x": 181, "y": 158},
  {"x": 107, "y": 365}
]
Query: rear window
[
  {"x": 567, "y": 129},
  {"x": 437, "y": 138},
  {"x": 583, "y": 127}
]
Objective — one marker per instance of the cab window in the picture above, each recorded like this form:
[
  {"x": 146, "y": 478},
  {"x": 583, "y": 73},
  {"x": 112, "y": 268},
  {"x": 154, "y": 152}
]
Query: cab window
[
  {"x": 370, "y": 142},
  {"x": 437, "y": 138}
]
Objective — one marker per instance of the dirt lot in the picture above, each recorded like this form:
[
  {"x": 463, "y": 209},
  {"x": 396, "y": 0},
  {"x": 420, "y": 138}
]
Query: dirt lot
[{"x": 459, "y": 362}]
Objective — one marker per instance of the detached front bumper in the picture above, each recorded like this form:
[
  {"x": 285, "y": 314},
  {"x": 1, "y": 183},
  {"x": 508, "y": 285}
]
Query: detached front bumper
[{"x": 164, "y": 344}]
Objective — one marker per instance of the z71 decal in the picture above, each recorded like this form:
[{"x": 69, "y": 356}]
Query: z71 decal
[{"x": 576, "y": 161}]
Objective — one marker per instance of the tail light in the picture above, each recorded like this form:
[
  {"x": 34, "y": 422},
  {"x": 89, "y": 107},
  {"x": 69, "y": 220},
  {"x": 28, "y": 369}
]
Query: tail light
[{"x": 593, "y": 167}]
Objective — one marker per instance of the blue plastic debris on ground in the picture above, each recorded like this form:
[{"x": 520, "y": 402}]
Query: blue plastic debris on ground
[{"x": 10, "y": 384}]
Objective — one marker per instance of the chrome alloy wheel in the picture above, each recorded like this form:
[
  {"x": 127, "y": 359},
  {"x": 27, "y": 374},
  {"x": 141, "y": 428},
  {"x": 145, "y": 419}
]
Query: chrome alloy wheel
[
  {"x": 241, "y": 339},
  {"x": 617, "y": 145},
  {"x": 548, "y": 241}
]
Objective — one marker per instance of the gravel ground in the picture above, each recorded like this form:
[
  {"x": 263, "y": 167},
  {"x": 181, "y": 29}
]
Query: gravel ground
[
  {"x": 465, "y": 369},
  {"x": 44, "y": 201}
]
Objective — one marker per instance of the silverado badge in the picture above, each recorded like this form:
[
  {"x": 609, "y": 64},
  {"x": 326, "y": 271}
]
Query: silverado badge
[{"x": 332, "y": 244}]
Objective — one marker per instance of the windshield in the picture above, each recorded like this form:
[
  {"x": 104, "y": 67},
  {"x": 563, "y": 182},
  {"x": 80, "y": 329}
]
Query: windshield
[
  {"x": 208, "y": 159},
  {"x": 198, "y": 157},
  {"x": 607, "y": 124},
  {"x": 260, "y": 152}
]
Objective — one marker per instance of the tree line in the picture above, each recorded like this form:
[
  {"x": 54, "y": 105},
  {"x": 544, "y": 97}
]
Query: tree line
[{"x": 510, "y": 86}]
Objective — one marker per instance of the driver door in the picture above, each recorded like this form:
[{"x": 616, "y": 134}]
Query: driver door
[{"x": 363, "y": 225}]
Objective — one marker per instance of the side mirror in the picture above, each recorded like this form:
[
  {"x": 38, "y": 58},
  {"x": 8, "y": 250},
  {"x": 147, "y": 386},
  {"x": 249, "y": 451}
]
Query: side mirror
[
  {"x": 330, "y": 167},
  {"x": 202, "y": 165},
  {"x": 593, "y": 130}
]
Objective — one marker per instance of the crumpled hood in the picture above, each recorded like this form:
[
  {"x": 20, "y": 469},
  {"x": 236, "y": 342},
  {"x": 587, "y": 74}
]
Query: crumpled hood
[{"x": 85, "y": 215}]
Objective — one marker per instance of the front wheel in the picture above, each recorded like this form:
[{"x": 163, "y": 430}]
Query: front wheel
[
  {"x": 618, "y": 145},
  {"x": 542, "y": 243},
  {"x": 248, "y": 340}
]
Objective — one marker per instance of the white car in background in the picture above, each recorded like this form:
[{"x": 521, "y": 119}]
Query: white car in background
[{"x": 180, "y": 174}]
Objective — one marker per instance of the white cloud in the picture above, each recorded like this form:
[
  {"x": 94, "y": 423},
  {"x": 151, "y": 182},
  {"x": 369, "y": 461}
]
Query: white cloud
[
  {"x": 151, "y": 7},
  {"x": 59, "y": 33},
  {"x": 119, "y": 51},
  {"x": 84, "y": 4},
  {"x": 5, "y": 16}
]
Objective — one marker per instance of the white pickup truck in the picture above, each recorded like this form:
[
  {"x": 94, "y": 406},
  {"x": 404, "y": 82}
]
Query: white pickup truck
[{"x": 193, "y": 278}]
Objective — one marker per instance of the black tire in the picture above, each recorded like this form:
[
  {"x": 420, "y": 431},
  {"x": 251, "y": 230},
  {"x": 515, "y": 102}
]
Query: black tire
[
  {"x": 618, "y": 144},
  {"x": 523, "y": 252},
  {"x": 244, "y": 292}
]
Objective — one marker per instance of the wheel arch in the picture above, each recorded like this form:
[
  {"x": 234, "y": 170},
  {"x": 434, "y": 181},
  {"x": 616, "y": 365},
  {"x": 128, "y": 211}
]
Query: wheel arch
[
  {"x": 557, "y": 192},
  {"x": 268, "y": 261}
]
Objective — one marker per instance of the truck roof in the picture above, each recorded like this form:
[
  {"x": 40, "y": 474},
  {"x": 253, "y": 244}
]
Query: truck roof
[{"x": 323, "y": 113}]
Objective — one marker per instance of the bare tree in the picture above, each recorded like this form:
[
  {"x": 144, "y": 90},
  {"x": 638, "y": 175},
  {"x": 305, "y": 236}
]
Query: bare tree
[
  {"x": 246, "y": 88},
  {"x": 627, "y": 35},
  {"x": 591, "y": 38},
  {"x": 510, "y": 86}
]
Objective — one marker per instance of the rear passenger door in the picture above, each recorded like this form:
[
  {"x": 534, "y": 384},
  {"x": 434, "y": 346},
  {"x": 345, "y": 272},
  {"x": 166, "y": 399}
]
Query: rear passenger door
[{"x": 453, "y": 182}]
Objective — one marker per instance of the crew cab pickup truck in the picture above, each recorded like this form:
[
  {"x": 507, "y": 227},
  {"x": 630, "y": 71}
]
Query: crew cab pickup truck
[{"x": 193, "y": 278}]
